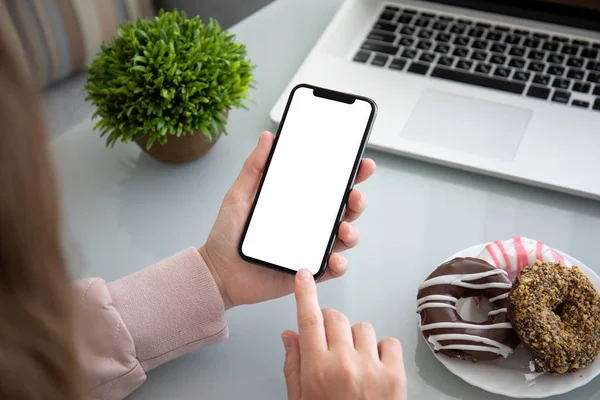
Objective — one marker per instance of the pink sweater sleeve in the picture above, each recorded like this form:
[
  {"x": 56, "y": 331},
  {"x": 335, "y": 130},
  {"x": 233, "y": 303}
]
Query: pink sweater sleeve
[{"x": 145, "y": 319}]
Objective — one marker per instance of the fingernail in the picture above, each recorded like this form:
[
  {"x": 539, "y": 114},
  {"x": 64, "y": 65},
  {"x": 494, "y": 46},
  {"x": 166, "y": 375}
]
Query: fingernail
[
  {"x": 286, "y": 341},
  {"x": 304, "y": 275}
]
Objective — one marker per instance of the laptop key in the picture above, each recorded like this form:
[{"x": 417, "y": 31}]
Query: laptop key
[
  {"x": 460, "y": 52},
  {"x": 464, "y": 64},
  {"x": 446, "y": 61},
  {"x": 596, "y": 45},
  {"x": 418, "y": 68},
  {"x": 405, "y": 19},
  {"x": 425, "y": 34},
  {"x": 550, "y": 46},
  {"x": 379, "y": 60},
  {"x": 513, "y": 39},
  {"x": 458, "y": 29},
  {"x": 476, "y": 33},
  {"x": 561, "y": 97},
  {"x": 479, "y": 55},
  {"x": 428, "y": 15},
  {"x": 593, "y": 66},
  {"x": 498, "y": 48},
  {"x": 560, "y": 39},
  {"x": 569, "y": 50},
  {"x": 442, "y": 48},
  {"x": 517, "y": 52},
  {"x": 409, "y": 11},
  {"x": 576, "y": 74},
  {"x": 465, "y": 21},
  {"x": 446, "y": 18},
  {"x": 406, "y": 41},
  {"x": 422, "y": 22},
  {"x": 521, "y": 32},
  {"x": 443, "y": 37},
  {"x": 575, "y": 62},
  {"x": 484, "y": 25},
  {"x": 589, "y": 53},
  {"x": 561, "y": 83},
  {"x": 427, "y": 57},
  {"x": 580, "y": 42},
  {"x": 596, "y": 91},
  {"x": 408, "y": 30},
  {"x": 382, "y": 36},
  {"x": 462, "y": 41},
  {"x": 531, "y": 43},
  {"x": 555, "y": 58},
  {"x": 392, "y": 8},
  {"x": 502, "y": 72},
  {"x": 440, "y": 26},
  {"x": 362, "y": 56},
  {"x": 556, "y": 70},
  {"x": 581, "y": 103},
  {"x": 538, "y": 92},
  {"x": 409, "y": 53},
  {"x": 380, "y": 48},
  {"x": 480, "y": 44},
  {"x": 502, "y": 28},
  {"x": 541, "y": 35},
  {"x": 521, "y": 76},
  {"x": 498, "y": 59},
  {"x": 536, "y": 66},
  {"x": 596, "y": 105},
  {"x": 494, "y": 36},
  {"x": 536, "y": 55},
  {"x": 387, "y": 16},
  {"x": 581, "y": 87},
  {"x": 397, "y": 63},
  {"x": 385, "y": 26},
  {"x": 541, "y": 79},
  {"x": 478, "y": 80},
  {"x": 483, "y": 68},
  {"x": 424, "y": 45},
  {"x": 593, "y": 77},
  {"x": 517, "y": 63}
]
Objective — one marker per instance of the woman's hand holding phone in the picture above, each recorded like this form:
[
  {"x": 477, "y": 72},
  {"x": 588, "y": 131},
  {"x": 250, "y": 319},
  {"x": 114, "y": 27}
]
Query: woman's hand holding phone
[
  {"x": 331, "y": 360},
  {"x": 242, "y": 283}
]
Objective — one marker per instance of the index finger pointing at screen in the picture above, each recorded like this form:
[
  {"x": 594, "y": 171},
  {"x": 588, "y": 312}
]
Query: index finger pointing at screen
[{"x": 310, "y": 318}]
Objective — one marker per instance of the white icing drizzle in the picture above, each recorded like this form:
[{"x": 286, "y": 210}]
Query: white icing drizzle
[
  {"x": 501, "y": 297},
  {"x": 435, "y": 305},
  {"x": 460, "y": 280},
  {"x": 465, "y": 325},
  {"x": 436, "y": 297},
  {"x": 498, "y": 348},
  {"x": 496, "y": 312}
]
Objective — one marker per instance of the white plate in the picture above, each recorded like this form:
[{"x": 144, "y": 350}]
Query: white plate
[{"x": 512, "y": 376}]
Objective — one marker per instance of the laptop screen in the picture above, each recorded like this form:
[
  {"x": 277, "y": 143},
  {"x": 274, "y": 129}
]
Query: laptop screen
[{"x": 577, "y": 13}]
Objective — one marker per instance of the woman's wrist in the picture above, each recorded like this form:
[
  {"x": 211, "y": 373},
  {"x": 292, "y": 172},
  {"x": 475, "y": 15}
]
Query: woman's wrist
[{"x": 204, "y": 253}]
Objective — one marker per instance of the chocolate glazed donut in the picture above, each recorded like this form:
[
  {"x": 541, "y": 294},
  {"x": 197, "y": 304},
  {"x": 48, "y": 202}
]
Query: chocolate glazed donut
[{"x": 445, "y": 331}]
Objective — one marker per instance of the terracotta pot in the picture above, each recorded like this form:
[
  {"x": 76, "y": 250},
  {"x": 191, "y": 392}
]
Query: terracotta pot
[{"x": 180, "y": 150}]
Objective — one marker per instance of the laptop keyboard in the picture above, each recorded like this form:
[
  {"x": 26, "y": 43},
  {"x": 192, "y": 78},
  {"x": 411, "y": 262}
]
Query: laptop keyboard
[{"x": 531, "y": 63}]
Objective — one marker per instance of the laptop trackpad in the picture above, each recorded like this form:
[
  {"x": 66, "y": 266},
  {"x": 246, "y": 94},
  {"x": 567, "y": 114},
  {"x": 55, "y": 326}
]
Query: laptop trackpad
[{"x": 467, "y": 124}]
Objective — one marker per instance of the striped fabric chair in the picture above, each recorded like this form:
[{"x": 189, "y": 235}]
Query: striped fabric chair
[{"x": 56, "y": 38}]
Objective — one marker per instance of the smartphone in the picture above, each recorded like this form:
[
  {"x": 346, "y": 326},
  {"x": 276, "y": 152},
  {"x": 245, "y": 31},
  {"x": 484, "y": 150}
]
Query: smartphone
[{"x": 301, "y": 198}]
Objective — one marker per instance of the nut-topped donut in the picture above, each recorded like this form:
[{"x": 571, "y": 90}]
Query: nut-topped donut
[{"x": 444, "y": 329}]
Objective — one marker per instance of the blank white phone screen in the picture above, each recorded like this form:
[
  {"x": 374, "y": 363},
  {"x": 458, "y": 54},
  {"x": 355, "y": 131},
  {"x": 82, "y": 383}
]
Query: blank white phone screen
[{"x": 306, "y": 181}]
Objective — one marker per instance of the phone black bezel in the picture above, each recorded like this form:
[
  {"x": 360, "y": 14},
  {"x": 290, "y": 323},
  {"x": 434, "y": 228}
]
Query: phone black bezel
[{"x": 331, "y": 95}]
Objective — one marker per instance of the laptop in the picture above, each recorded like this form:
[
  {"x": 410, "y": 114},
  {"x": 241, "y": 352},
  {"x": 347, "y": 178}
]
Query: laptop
[{"x": 507, "y": 88}]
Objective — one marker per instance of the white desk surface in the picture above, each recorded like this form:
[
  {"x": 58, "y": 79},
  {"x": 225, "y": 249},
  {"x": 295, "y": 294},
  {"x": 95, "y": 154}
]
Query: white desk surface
[{"x": 124, "y": 210}]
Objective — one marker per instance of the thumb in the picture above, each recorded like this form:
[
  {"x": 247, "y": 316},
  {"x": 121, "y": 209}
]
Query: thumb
[
  {"x": 291, "y": 367},
  {"x": 247, "y": 181}
]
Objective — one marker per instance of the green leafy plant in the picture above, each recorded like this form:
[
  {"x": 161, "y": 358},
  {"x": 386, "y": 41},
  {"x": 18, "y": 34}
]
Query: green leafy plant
[{"x": 168, "y": 75}]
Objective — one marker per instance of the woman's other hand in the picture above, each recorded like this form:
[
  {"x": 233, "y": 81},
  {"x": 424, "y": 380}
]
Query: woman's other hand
[{"x": 329, "y": 359}]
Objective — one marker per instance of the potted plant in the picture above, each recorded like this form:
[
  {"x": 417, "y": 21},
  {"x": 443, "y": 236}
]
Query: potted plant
[{"x": 168, "y": 83}]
